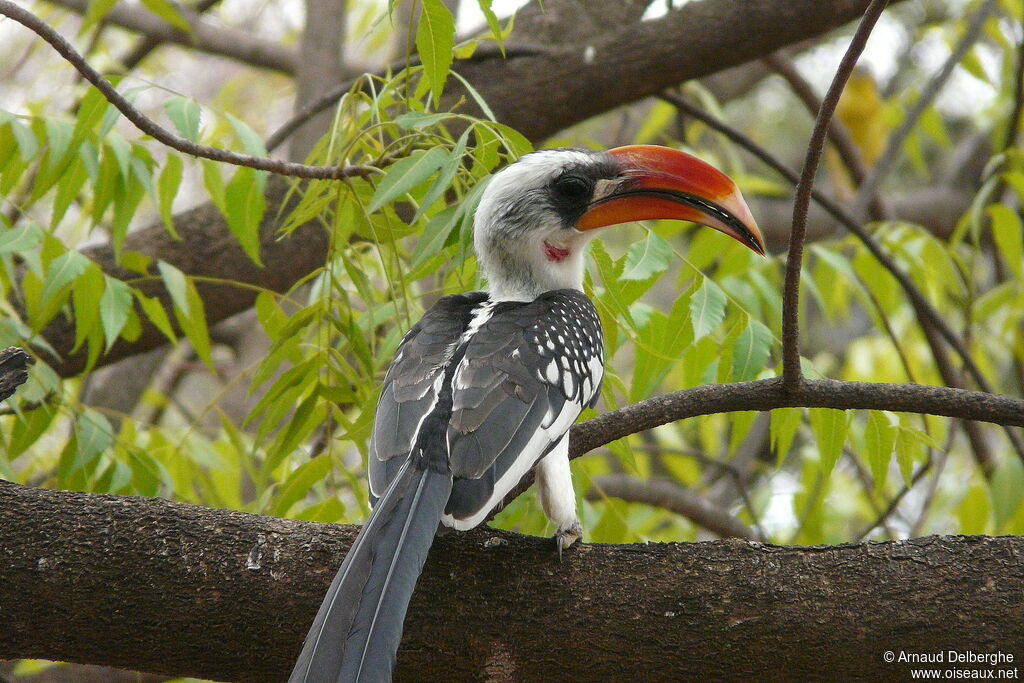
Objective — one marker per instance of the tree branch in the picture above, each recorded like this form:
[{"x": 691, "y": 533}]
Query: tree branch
[
  {"x": 13, "y": 370},
  {"x": 161, "y": 587},
  {"x": 670, "y": 496},
  {"x": 226, "y": 42},
  {"x": 791, "y": 372}
]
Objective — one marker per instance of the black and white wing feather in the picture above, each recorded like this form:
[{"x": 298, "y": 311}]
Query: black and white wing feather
[{"x": 526, "y": 374}]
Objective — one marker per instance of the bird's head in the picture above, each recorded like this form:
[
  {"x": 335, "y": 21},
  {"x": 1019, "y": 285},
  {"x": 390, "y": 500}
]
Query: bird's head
[{"x": 537, "y": 215}]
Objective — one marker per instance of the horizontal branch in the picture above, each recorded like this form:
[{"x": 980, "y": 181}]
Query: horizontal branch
[
  {"x": 158, "y": 586},
  {"x": 674, "y": 498},
  {"x": 768, "y": 394},
  {"x": 205, "y": 37}
]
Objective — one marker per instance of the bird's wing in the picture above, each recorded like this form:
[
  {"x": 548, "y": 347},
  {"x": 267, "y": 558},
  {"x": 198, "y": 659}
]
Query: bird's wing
[
  {"x": 524, "y": 377},
  {"x": 411, "y": 386}
]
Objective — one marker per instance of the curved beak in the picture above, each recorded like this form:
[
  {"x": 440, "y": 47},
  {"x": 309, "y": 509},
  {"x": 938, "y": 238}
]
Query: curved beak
[{"x": 663, "y": 183}]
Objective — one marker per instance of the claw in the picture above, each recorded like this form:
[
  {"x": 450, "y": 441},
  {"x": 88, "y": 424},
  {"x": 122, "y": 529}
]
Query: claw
[{"x": 565, "y": 538}]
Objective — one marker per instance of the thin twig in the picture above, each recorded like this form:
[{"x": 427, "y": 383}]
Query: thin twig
[
  {"x": 791, "y": 373},
  {"x": 670, "y": 496},
  {"x": 148, "y": 126},
  {"x": 895, "y": 146}
]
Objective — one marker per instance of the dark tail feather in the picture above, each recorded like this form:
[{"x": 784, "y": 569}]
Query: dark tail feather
[{"x": 359, "y": 625}]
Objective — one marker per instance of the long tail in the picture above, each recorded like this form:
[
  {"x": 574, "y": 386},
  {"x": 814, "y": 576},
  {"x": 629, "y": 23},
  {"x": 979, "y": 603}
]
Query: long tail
[{"x": 357, "y": 630}]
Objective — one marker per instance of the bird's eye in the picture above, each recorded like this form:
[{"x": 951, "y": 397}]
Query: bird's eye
[{"x": 573, "y": 187}]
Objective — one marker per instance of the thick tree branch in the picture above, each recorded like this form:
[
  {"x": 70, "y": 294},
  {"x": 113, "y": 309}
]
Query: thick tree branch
[
  {"x": 204, "y": 37},
  {"x": 162, "y": 586},
  {"x": 13, "y": 370}
]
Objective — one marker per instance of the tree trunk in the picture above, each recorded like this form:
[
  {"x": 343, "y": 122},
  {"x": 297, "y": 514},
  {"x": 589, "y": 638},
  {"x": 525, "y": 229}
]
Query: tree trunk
[{"x": 183, "y": 590}]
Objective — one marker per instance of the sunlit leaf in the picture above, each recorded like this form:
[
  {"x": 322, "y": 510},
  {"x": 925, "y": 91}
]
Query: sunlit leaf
[
  {"x": 880, "y": 434},
  {"x": 707, "y": 308},
  {"x": 435, "y": 38},
  {"x": 406, "y": 174},
  {"x": 185, "y": 114},
  {"x": 829, "y": 427}
]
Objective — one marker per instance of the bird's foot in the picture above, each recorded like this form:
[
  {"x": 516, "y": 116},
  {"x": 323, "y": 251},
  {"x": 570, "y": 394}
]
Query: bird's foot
[{"x": 566, "y": 537}]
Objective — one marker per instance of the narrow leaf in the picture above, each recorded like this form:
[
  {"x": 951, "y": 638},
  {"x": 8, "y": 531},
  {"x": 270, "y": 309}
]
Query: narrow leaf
[
  {"x": 707, "y": 308},
  {"x": 435, "y": 38},
  {"x": 184, "y": 113},
  {"x": 115, "y": 305},
  {"x": 647, "y": 258},
  {"x": 829, "y": 427},
  {"x": 405, "y": 175}
]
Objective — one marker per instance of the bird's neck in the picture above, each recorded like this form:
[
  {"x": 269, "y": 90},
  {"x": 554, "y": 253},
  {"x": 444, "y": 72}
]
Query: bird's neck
[{"x": 524, "y": 277}]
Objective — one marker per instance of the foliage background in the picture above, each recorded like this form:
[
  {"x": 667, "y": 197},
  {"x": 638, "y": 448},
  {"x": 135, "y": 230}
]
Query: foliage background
[{"x": 270, "y": 411}]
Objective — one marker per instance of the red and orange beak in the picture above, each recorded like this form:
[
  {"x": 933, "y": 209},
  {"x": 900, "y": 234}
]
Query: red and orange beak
[{"x": 663, "y": 183}]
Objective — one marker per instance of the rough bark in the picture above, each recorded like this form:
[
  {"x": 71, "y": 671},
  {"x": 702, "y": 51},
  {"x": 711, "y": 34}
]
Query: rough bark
[
  {"x": 183, "y": 590},
  {"x": 13, "y": 370},
  {"x": 552, "y": 90}
]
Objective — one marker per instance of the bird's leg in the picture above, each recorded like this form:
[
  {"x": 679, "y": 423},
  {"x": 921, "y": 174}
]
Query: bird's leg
[{"x": 554, "y": 482}]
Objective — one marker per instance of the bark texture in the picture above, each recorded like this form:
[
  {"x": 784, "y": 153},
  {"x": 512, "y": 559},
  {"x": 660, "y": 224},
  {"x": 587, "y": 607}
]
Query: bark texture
[
  {"x": 14, "y": 364},
  {"x": 184, "y": 590}
]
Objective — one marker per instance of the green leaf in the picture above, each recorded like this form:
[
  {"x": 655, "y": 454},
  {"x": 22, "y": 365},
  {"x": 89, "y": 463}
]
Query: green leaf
[
  {"x": 434, "y": 235},
  {"x": 194, "y": 325},
  {"x": 416, "y": 120},
  {"x": 245, "y": 205},
  {"x": 177, "y": 285},
  {"x": 784, "y": 425},
  {"x": 1008, "y": 233},
  {"x": 87, "y": 292},
  {"x": 1007, "y": 483},
  {"x": 750, "y": 351},
  {"x": 647, "y": 258},
  {"x": 707, "y": 308},
  {"x": 154, "y": 310},
  {"x": 61, "y": 272},
  {"x": 829, "y": 427},
  {"x": 26, "y": 139},
  {"x": 492, "y": 23},
  {"x": 94, "y": 435},
  {"x": 909, "y": 449},
  {"x": 879, "y": 438},
  {"x": 115, "y": 305},
  {"x": 251, "y": 142},
  {"x": 445, "y": 177},
  {"x": 435, "y": 38},
  {"x": 166, "y": 11},
  {"x": 167, "y": 190},
  {"x": 184, "y": 113},
  {"x": 405, "y": 175},
  {"x": 24, "y": 238},
  {"x": 97, "y": 10},
  {"x": 300, "y": 482}
]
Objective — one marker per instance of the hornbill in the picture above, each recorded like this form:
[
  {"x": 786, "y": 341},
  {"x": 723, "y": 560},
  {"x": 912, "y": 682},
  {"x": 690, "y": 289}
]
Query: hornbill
[{"x": 487, "y": 384}]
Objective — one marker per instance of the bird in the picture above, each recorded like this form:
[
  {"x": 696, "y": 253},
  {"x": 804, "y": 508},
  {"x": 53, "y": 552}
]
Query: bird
[{"x": 486, "y": 386}]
